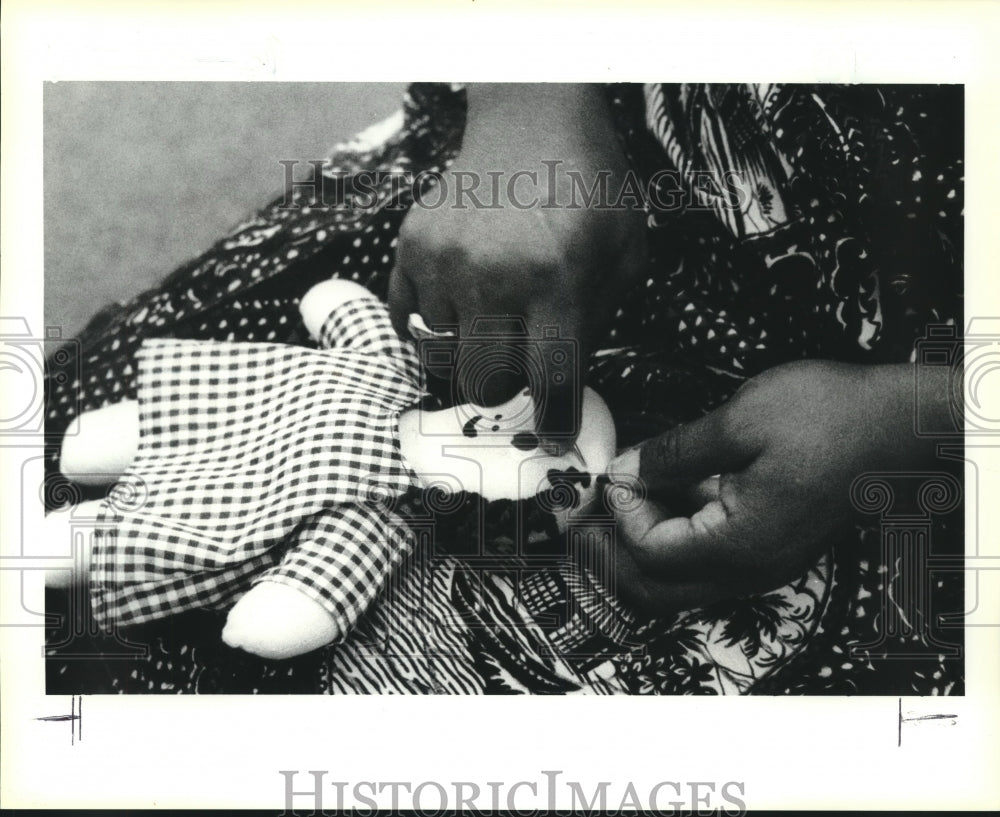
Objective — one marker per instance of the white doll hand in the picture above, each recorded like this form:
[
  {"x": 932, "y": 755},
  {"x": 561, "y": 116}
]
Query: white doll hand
[
  {"x": 277, "y": 621},
  {"x": 99, "y": 445},
  {"x": 322, "y": 299}
]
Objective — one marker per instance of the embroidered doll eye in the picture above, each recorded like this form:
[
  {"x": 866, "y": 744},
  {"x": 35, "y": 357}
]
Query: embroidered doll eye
[
  {"x": 570, "y": 476},
  {"x": 525, "y": 441}
]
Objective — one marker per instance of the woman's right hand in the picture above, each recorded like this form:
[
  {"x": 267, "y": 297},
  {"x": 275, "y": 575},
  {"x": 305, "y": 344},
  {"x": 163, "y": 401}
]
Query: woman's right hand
[
  {"x": 764, "y": 482},
  {"x": 517, "y": 256}
]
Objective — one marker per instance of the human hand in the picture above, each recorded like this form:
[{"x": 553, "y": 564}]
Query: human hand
[
  {"x": 762, "y": 484},
  {"x": 549, "y": 266}
]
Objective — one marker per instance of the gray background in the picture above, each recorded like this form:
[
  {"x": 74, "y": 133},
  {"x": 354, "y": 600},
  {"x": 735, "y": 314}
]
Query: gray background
[{"x": 141, "y": 176}]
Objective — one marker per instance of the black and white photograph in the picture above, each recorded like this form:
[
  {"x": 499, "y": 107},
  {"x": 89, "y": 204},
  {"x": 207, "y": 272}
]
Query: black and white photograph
[
  {"x": 663, "y": 462},
  {"x": 529, "y": 385}
]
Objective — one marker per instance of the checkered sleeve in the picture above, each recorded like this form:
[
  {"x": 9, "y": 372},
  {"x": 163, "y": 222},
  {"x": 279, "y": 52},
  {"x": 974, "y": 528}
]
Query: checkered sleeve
[
  {"x": 342, "y": 558},
  {"x": 363, "y": 324}
]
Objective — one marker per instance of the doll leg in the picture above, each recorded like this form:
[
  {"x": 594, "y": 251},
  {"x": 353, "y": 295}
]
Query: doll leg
[
  {"x": 277, "y": 621},
  {"x": 99, "y": 445},
  {"x": 340, "y": 562},
  {"x": 73, "y": 569}
]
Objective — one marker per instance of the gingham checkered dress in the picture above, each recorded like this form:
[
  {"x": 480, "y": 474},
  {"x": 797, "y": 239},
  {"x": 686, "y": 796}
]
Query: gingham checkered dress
[{"x": 262, "y": 462}]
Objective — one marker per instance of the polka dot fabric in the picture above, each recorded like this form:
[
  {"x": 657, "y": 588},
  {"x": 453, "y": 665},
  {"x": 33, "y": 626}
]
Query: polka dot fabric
[
  {"x": 247, "y": 286},
  {"x": 843, "y": 240},
  {"x": 867, "y": 254}
]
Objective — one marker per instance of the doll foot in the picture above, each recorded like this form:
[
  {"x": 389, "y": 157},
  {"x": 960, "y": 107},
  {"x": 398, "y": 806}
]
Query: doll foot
[{"x": 276, "y": 621}]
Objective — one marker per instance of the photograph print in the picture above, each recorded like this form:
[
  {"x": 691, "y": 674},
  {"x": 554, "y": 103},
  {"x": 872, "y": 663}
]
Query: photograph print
[{"x": 635, "y": 388}]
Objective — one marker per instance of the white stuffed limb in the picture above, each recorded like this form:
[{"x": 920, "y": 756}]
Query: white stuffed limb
[
  {"x": 96, "y": 449},
  {"x": 316, "y": 594},
  {"x": 99, "y": 445},
  {"x": 282, "y": 616},
  {"x": 73, "y": 569}
]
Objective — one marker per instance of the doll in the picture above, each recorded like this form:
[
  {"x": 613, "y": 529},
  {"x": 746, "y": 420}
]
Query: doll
[{"x": 270, "y": 475}]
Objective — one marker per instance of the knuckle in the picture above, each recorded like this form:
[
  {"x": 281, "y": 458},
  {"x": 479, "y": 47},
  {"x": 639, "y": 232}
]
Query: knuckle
[
  {"x": 664, "y": 451},
  {"x": 728, "y": 423}
]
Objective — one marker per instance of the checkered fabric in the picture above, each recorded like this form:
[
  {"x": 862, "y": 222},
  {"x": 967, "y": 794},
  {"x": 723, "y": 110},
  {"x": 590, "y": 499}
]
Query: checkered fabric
[{"x": 262, "y": 462}]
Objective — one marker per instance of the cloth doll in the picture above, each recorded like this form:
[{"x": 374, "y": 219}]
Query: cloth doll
[{"x": 269, "y": 477}]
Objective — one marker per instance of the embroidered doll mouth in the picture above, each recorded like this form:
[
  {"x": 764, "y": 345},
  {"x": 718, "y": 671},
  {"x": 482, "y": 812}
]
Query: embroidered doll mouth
[{"x": 467, "y": 524}]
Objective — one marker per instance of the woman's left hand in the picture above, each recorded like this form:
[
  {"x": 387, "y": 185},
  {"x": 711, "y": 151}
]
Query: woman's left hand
[{"x": 764, "y": 480}]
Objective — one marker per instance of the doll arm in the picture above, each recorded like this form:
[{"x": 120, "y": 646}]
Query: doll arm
[
  {"x": 99, "y": 445},
  {"x": 344, "y": 315},
  {"x": 338, "y": 565}
]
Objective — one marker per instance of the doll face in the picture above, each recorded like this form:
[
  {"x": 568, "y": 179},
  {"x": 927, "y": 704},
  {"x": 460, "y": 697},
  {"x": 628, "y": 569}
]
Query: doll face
[{"x": 496, "y": 453}]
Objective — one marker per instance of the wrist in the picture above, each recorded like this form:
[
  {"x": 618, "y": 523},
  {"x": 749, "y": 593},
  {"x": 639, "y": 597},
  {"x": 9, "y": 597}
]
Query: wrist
[
  {"x": 913, "y": 404},
  {"x": 540, "y": 115}
]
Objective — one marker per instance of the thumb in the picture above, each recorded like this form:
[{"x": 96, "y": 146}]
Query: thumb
[
  {"x": 559, "y": 415},
  {"x": 690, "y": 452},
  {"x": 402, "y": 300}
]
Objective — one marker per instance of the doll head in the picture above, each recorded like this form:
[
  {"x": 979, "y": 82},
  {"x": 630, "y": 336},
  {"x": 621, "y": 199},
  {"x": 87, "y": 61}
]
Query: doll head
[
  {"x": 494, "y": 454},
  {"x": 471, "y": 459}
]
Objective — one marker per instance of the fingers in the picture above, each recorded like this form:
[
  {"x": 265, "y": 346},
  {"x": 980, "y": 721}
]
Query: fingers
[
  {"x": 661, "y": 582},
  {"x": 713, "y": 444},
  {"x": 665, "y": 543},
  {"x": 489, "y": 362},
  {"x": 493, "y": 364},
  {"x": 686, "y": 547},
  {"x": 561, "y": 344},
  {"x": 559, "y": 395},
  {"x": 402, "y": 301},
  {"x": 492, "y": 358},
  {"x": 713, "y": 546},
  {"x": 635, "y": 523},
  {"x": 559, "y": 416},
  {"x": 415, "y": 284},
  {"x": 437, "y": 355}
]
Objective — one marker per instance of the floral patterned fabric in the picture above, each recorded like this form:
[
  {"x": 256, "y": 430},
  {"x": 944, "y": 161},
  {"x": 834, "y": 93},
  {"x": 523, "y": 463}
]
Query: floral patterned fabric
[{"x": 818, "y": 221}]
